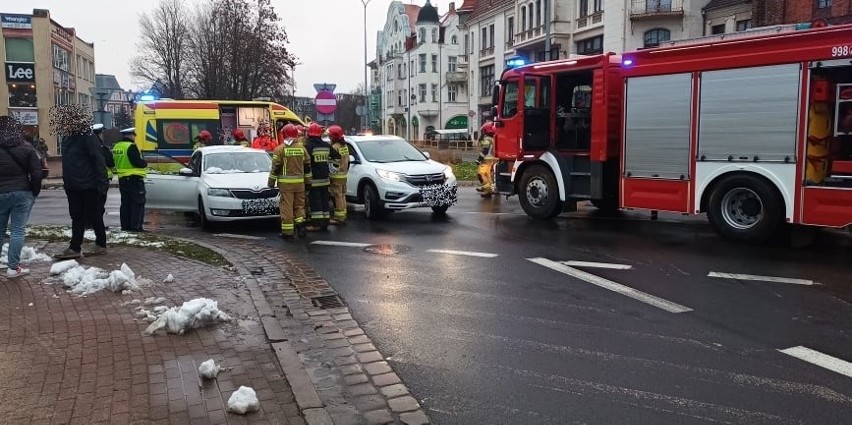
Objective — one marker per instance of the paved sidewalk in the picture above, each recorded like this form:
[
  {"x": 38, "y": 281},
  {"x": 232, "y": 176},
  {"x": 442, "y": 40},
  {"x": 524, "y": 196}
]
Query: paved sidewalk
[{"x": 84, "y": 360}]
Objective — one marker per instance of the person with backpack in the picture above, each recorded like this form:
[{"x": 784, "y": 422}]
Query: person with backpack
[{"x": 20, "y": 184}]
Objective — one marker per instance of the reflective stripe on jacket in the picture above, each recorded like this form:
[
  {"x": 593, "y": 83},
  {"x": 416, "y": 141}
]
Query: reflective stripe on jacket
[{"x": 123, "y": 166}]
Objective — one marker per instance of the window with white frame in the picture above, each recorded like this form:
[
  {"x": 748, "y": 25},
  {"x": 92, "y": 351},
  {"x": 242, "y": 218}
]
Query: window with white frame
[
  {"x": 654, "y": 37},
  {"x": 584, "y": 8},
  {"x": 486, "y": 80},
  {"x": 484, "y": 39},
  {"x": 434, "y": 92},
  {"x": 597, "y": 6},
  {"x": 423, "y": 62},
  {"x": 539, "y": 17},
  {"x": 421, "y": 38},
  {"x": 422, "y": 88},
  {"x": 434, "y": 35},
  {"x": 452, "y": 64},
  {"x": 454, "y": 39},
  {"x": 452, "y": 92},
  {"x": 491, "y": 35},
  {"x": 523, "y": 18},
  {"x": 434, "y": 63},
  {"x": 510, "y": 29}
]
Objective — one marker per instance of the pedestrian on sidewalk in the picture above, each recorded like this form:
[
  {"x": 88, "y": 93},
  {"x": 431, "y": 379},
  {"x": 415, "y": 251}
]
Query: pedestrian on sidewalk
[
  {"x": 84, "y": 175},
  {"x": 289, "y": 162},
  {"x": 320, "y": 153},
  {"x": 131, "y": 169},
  {"x": 20, "y": 183}
]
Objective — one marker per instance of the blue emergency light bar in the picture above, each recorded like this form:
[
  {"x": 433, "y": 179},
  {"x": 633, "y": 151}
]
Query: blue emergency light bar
[{"x": 515, "y": 61}]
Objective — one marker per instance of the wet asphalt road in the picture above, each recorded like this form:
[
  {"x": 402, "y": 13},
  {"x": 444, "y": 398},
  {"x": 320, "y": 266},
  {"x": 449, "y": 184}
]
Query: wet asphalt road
[{"x": 499, "y": 339}]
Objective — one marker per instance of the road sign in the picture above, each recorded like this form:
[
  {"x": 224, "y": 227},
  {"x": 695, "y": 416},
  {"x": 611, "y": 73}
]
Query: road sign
[
  {"x": 326, "y": 102},
  {"x": 324, "y": 86}
]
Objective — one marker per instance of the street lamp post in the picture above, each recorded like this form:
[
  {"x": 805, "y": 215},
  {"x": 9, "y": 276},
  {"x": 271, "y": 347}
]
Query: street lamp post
[{"x": 366, "y": 73}]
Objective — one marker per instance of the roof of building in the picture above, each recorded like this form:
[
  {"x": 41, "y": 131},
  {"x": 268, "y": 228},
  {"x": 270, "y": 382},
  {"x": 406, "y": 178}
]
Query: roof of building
[
  {"x": 718, "y": 4},
  {"x": 428, "y": 14},
  {"x": 467, "y": 6},
  {"x": 412, "y": 11},
  {"x": 483, "y": 7}
]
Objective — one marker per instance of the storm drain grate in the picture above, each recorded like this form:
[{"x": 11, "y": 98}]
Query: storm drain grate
[
  {"x": 328, "y": 301},
  {"x": 256, "y": 271}
]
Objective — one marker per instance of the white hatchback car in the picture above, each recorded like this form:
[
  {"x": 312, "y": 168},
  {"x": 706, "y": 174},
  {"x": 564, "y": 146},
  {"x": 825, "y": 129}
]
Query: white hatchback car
[
  {"x": 221, "y": 183},
  {"x": 387, "y": 174}
]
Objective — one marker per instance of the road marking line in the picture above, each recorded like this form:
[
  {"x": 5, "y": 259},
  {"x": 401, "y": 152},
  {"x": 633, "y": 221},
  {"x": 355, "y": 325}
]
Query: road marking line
[
  {"x": 775, "y": 279},
  {"x": 612, "y": 286},
  {"x": 467, "y": 253},
  {"x": 231, "y": 235},
  {"x": 337, "y": 243},
  {"x": 594, "y": 264},
  {"x": 822, "y": 360}
]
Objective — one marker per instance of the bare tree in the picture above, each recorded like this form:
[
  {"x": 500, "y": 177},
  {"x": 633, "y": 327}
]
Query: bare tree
[{"x": 163, "y": 47}]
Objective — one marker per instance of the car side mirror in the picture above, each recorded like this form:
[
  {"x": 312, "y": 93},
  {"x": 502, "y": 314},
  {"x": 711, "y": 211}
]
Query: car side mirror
[
  {"x": 187, "y": 172},
  {"x": 352, "y": 159},
  {"x": 428, "y": 156}
]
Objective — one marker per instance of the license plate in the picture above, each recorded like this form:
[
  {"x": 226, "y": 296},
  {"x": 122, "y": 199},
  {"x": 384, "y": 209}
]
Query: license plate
[
  {"x": 258, "y": 207},
  {"x": 439, "y": 195}
]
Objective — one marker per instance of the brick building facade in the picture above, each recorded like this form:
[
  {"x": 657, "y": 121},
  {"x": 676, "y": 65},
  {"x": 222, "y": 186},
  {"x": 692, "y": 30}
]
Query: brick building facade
[{"x": 774, "y": 12}]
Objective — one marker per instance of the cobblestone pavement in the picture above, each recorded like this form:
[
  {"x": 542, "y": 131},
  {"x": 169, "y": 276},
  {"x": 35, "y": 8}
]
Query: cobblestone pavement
[
  {"x": 353, "y": 381},
  {"x": 84, "y": 360}
]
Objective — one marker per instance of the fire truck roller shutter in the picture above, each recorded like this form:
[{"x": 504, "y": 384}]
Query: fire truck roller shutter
[{"x": 657, "y": 126}]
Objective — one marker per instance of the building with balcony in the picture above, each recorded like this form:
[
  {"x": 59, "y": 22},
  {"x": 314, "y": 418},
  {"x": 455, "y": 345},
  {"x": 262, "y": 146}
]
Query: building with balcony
[
  {"x": 45, "y": 64},
  {"x": 417, "y": 60}
]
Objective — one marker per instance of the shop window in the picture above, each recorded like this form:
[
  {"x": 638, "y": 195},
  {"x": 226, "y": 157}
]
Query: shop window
[
  {"x": 19, "y": 50},
  {"x": 22, "y": 95},
  {"x": 654, "y": 37}
]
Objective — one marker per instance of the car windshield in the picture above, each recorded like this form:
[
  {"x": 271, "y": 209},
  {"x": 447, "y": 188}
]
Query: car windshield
[
  {"x": 389, "y": 150},
  {"x": 237, "y": 162}
]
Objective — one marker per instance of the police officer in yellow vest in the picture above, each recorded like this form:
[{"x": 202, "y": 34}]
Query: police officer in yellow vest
[
  {"x": 131, "y": 169},
  {"x": 338, "y": 176}
]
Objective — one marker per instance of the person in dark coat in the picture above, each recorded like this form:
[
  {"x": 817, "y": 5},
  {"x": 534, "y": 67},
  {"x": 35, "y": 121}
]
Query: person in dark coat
[
  {"x": 84, "y": 174},
  {"x": 20, "y": 183}
]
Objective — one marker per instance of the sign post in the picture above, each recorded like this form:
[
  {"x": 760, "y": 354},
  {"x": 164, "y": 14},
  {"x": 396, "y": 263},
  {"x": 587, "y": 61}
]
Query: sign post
[{"x": 326, "y": 102}]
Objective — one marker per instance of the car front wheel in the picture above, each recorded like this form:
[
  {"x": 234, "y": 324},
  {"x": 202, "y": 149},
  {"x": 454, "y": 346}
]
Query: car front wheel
[
  {"x": 372, "y": 205},
  {"x": 202, "y": 215}
]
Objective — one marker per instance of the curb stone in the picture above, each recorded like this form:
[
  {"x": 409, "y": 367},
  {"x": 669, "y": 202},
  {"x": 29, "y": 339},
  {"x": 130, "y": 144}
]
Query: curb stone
[{"x": 286, "y": 288}]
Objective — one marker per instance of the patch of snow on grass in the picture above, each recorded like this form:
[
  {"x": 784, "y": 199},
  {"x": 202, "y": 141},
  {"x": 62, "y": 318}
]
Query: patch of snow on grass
[
  {"x": 169, "y": 279},
  {"x": 153, "y": 301},
  {"x": 243, "y": 400},
  {"x": 192, "y": 314},
  {"x": 208, "y": 370}
]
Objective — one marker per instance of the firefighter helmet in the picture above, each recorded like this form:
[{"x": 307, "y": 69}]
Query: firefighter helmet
[
  {"x": 314, "y": 130},
  {"x": 488, "y": 128},
  {"x": 335, "y": 132},
  {"x": 205, "y": 135},
  {"x": 238, "y": 134},
  {"x": 290, "y": 131}
]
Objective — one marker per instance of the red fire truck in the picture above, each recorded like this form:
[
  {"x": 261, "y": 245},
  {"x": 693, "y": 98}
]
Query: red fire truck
[{"x": 754, "y": 132}]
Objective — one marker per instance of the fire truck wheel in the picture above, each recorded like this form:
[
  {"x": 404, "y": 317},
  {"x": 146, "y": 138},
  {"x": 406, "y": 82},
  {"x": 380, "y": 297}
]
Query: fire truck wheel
[
  {"x": 745, "y": 208},
  {"x": 539, "y": 194}
]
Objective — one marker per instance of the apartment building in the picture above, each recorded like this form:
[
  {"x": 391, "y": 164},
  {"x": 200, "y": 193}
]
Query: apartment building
[
  {"x": 418, "y": 70},
  {"x": 45, "y": 64}
]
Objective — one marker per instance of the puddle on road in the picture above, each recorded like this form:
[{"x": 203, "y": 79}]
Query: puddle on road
[{"x": 387, "y": 249}]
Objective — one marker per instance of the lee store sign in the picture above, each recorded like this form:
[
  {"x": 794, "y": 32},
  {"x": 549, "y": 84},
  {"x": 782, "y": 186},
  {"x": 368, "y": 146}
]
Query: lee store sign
[{"x": 17, "y": 72}]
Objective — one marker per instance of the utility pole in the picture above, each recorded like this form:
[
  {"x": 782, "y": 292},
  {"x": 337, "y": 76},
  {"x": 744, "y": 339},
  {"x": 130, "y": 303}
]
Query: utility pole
[{"x": 367, "y": 122}]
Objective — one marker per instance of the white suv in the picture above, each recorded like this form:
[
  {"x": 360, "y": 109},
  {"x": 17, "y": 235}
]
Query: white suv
[{"x": 387, "y": 173}]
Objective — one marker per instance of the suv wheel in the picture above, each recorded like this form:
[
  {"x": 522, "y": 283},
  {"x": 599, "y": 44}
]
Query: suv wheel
[{"x": 373, "y": 208}]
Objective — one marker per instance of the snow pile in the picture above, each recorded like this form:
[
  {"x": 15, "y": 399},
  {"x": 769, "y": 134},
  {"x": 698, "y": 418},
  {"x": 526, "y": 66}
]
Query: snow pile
[
  {"x": 83, "y": 280},
  {"x": 193, "y": 314},
  {"x": 63, "y": 266},
  {"x": 28, "y": 255},
  {"x": 113, "y": 237},
  {"x": 243, "y": 400},
  {"x": 209, "y": 370},
  {"x": 169, "y": 279},
  {"x": 154, "y": 301}
]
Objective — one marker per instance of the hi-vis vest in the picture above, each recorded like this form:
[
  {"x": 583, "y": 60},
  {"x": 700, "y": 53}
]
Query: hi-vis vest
[
  {"x": 288, "y": 166},
  {"x": 342, "y": 164},
  {"x": 123, "y": 167}
]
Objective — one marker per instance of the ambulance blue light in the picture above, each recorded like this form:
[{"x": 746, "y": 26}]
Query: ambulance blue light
[
  {"x": 146, "y": 97},
  {"x": 515, "y": 62},
  {"x": 627, "y": 62}
]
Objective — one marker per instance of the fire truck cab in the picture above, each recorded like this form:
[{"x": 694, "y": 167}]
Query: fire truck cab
[{"x": 754, "y": 131}]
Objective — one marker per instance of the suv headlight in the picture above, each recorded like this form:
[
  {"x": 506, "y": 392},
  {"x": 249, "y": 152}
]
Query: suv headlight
[
  {"x": 448, "y": 173},
  {"x": 222, "y": 193},
  {"x": 390, "y": 175}
]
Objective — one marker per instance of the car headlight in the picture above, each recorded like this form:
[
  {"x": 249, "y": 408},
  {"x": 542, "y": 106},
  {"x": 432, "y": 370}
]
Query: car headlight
[
  {"x": 448, "y": 173},
  {"x": 223, "y": 193},
  {"x": 390, "y": 175}
]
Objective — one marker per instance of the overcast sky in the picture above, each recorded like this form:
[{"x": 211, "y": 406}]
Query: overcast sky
[{"x": 326, "y": 35}]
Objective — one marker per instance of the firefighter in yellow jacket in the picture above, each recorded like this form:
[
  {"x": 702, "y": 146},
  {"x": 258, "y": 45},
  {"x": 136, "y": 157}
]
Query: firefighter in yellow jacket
[
  {"x": 340, "y": 167},
  {"x": 289, "y": 163},
  {"x": 486, "y": 160}
]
